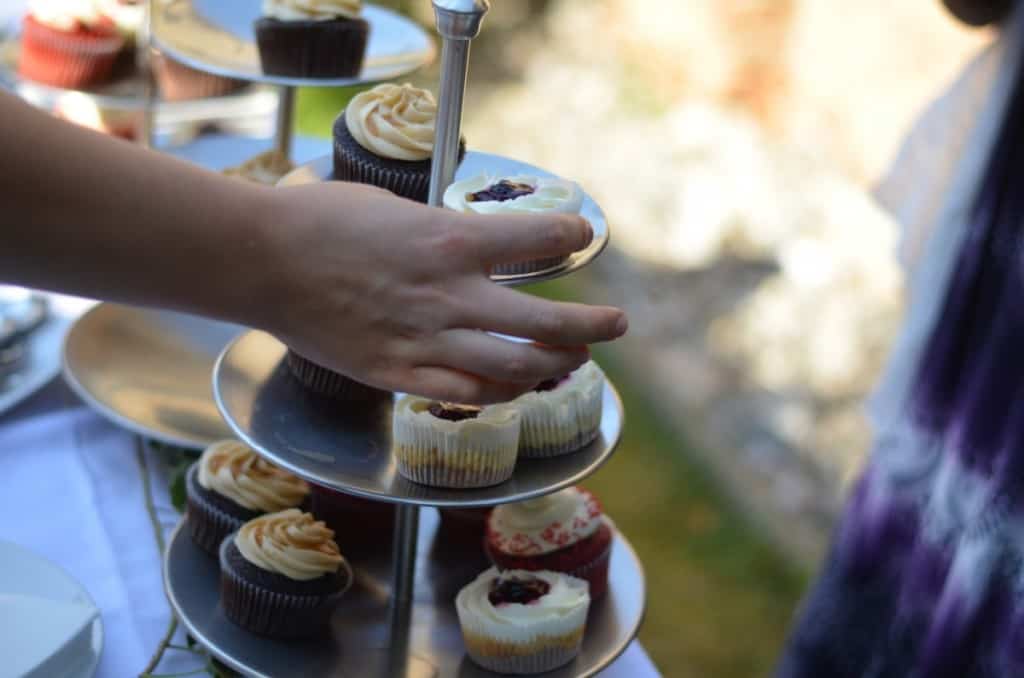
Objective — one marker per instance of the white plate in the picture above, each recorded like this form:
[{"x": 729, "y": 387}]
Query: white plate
[
  {"x": 23, "y": 573},
  {"x": 44, "y": 358}
]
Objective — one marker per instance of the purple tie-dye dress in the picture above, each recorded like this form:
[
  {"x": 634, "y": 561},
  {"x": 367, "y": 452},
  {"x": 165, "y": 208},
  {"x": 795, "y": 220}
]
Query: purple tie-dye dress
[{"x": 925, "y": 578}]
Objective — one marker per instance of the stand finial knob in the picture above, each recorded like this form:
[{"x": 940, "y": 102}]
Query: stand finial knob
[{"x": 460, "y": 19}]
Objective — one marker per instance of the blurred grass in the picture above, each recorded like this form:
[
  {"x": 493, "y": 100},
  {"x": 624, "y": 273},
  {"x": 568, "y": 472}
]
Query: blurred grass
[{"x": 720, "y": 597}]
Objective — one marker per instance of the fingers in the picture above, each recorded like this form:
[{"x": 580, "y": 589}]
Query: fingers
[
  {"x": 499, "y": 359},
  {"x": 513, "y": 238},
  {"x": 499, "y": 309},
  {"x": 442, "y": 383}
]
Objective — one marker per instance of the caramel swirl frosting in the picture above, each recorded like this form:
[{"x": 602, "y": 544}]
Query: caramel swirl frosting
[
  {"x": 394, "y": 121},
  {"x": 290, "y": 543},
  {"x": 233, "y": 470}
]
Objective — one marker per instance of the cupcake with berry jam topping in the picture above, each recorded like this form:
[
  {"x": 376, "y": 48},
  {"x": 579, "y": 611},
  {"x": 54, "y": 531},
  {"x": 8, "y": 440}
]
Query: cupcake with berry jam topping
[
  {"x": 68, "y": 43},
  {"x": 565, "y": 532},
  {"x": 231, "y": 484},
  {"x": 312, "y": 38},
  {"x": 282, "y": 575},
  {"x": 523, "y": 622},
  {"x": 521, "y": 194},
  {"x": 459, "y": 446},
  {"x": 385, "y": 137},
  {"x": 561, "y": 415}
]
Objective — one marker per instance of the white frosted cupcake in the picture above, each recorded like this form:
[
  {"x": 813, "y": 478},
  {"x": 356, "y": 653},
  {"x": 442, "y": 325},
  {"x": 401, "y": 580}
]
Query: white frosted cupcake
[
  {"x": 448, "y": 445},
  {"x": 519, "y": 194},
  {"x": 523, "y": 622},
  {"x": 561, "y": 415}
]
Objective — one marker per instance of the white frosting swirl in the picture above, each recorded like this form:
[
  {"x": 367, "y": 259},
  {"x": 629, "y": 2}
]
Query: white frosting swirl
[
  {"x": 543, "y": 525},
  {"x": 394, "y": 121},
  {"x": 549, "y": 195},
  {"x": 312, "y": 10},
  {"x": 127, "y": 16},
  {"x": 559, "y": 612},
  {"x": 231, "y": 469},
  {"x": 65, "y": 15},
  {"x": 291, "y": 543}
]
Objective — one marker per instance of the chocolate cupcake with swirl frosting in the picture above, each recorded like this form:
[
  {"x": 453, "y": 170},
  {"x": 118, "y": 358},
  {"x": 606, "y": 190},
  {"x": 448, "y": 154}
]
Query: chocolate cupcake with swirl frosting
[
  {"x": 231, "y": 484},
  {"x": 282, "y": 575},
  {"x": 385, "y": 137}
]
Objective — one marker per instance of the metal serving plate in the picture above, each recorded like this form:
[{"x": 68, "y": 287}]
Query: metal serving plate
[
  {"x": 219, "y": 37},
  {"x": 474, "y": 164},
  {"x": 350, "y": 449},
  {"x": 149, "y": 371},
  {"x": 358, "y": 644}
]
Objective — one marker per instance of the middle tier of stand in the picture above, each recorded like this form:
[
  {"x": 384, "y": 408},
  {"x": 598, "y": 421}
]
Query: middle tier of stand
[
  {"x": 348, "y": 448},
  {"x": 474, "y": 164}
]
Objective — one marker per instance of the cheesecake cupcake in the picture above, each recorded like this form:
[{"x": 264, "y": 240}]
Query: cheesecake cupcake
[
  {"x": 564, "y": 532},
  {"x": 523, "y": 622},
  {"x": 312, "y": 38},
  {"x": 282, "y": 575},
  {"x": 385, "y": 137},
  {"x": 68, "y": 43},
  {"x": 458, "y": 446},
  {"x": 519, "y": 194},
  {"x": 563, "y": 415},
  {"x": 231, "y": 484},
  {"x": 266, "y": 168}
]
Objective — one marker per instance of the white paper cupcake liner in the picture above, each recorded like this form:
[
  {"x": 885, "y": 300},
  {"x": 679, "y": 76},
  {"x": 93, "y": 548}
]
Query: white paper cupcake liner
[
  {"x": 555, "y": 423},
  {"x": 544, "y": 660},
  {"x": 474, "y": 453}
]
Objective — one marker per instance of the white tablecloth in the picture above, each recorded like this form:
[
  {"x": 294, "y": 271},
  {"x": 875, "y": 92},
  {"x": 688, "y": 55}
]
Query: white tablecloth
[{"x": 72, "y": 492}]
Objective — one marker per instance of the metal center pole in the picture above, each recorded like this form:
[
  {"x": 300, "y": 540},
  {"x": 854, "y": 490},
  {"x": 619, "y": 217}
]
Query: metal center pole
[
  {"x": 458, "y": 22},
  {"x": 285, "y": 118}
]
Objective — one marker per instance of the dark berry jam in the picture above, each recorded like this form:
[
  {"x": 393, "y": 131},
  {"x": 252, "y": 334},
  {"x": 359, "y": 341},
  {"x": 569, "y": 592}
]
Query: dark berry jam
[
  {"x": 453, "y": 412},
  {"x": 501, "y": 191},
  {"x": 550, "y": 384},
  {"x": 521, "y": 591}
]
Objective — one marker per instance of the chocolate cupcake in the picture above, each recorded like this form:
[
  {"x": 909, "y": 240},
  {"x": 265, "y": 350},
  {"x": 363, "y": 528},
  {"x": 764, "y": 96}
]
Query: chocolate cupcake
[
  {"x": 231, "y": 484},
  {"x": 282, "y": 575},
  {"x": 361, "y": 526},
  {"x": 178, "y": 82},
  {"x": 564, "y": 532},
  {"x": 326, "y": 382},
  {"x": 312, "y": 38},
  {"x": 523, "y": 622},
  {"x": 385, "y": 138},
  {"x": 460, "y": 446},
  {"x": 519, "y": 194},
  {"x": 560, "y": 416}
]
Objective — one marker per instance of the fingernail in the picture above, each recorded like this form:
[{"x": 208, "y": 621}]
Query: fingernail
[{"x": 622, "y": 324}]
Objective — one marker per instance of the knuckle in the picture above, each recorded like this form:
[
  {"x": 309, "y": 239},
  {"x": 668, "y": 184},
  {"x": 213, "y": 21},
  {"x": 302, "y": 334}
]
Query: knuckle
[{"x": 454, "y": 241}]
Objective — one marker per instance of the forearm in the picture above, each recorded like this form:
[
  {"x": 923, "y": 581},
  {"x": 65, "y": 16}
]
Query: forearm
[{"x": 89, "y": 215}]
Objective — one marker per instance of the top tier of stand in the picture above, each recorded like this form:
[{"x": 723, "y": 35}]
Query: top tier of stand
[{"x": 219, "y": 37}]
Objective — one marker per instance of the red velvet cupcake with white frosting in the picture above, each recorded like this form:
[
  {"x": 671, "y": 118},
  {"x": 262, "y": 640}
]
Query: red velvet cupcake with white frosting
[{"x": 563, "y": 532}]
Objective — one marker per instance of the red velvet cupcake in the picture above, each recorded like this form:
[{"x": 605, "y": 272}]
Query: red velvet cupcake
[
  {"x": 357, "y": 523},
  {"x": 563, "y": 532},
  {"x": 68, "y": 45}
]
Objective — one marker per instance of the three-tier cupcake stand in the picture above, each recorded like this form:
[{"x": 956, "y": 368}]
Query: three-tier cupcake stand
[{"x": 399, "y": 619}]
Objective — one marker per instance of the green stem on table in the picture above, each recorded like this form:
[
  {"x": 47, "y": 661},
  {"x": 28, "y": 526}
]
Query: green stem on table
[{"x": 147, "y": 490}]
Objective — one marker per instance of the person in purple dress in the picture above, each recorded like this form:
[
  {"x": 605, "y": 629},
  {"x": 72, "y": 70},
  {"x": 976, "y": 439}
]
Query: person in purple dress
[{"x": 925, "y": 576}]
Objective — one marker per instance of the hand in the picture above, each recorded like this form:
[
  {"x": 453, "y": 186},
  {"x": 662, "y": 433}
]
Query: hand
[{"x": 396, "y": 295}]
